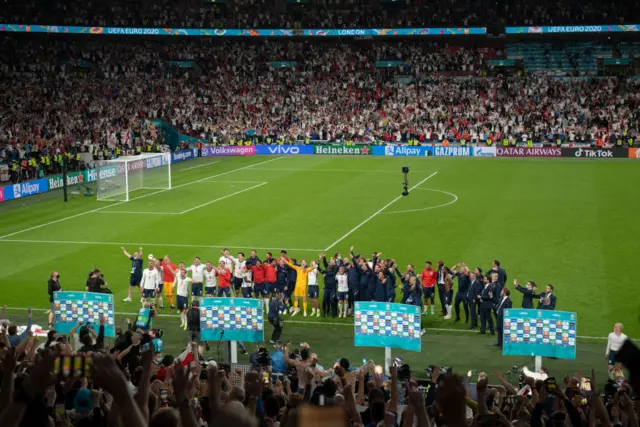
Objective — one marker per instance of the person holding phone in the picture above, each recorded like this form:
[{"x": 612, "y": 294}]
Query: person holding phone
[{"x": 53, "y": 286}]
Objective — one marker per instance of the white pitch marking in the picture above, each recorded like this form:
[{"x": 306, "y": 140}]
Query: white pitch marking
[
  {"x": 223, "y": 197},
  {"x": 200, "y": 166},
  {"x": 377, "y": 213},
  {"x": 169, "y": 245},
  {"x": 140, "y": 213},
  {"x": 455, "y": 199},
  {"x": 135, "y": 198}
]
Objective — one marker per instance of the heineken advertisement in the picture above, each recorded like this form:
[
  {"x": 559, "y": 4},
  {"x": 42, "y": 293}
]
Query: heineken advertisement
[
  {"x": 73, "y": 178},
  {"x": 343, "y": 150}
]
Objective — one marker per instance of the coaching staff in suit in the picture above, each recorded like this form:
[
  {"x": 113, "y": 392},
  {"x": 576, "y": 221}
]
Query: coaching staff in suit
[
  {"x": 487, "y": 304},
  {"x": 503, "y": 303},
  {"x": 528, "y": 293},
  {"x": 547, "y": 299},
  {"x": 473, "y": 297},
  {"x": 502, "y": 275}
]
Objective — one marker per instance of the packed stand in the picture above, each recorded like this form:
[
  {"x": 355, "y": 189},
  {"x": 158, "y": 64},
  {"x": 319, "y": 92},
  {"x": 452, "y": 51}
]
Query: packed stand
[
  {"x": 67, "y": 95},
  {"x": 317, "y": 14}
]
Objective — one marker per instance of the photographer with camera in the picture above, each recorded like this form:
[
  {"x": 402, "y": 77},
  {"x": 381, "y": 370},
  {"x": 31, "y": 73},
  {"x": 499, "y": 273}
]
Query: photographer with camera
[{"x": 96, "y": 283}]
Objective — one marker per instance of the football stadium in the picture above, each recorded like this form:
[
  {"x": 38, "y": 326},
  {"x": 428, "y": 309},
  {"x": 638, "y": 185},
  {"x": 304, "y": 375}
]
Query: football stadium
[{"x": 334, "y": 213}]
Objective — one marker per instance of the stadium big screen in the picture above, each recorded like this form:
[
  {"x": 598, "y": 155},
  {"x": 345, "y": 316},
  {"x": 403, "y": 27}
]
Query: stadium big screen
[
  {"x": 71, "y": 308},
  {"x": 231, "y": 319},
  {"x": 379, "y": 324},
  {"x": 545, "y": 333}
]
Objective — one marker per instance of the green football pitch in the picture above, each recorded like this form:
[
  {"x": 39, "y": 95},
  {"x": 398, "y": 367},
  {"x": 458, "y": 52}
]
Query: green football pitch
[{"x": 567, "y": 222}]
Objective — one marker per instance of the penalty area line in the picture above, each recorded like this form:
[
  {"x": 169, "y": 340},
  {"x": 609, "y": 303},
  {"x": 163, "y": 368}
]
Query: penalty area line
[{"x": 135, "y": 198}]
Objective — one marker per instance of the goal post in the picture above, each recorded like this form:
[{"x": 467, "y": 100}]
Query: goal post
[{"x": 118, "y": 178}]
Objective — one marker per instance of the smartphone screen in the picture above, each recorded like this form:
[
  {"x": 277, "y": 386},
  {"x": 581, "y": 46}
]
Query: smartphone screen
[
  {"x": 77, "y": 366},
  {"x": 88, "y": 362},
  {"x": 60, "y": 409},
  {"x": 265, "y": 377},
  {"x": 322, "y": 416},
  {"x": 164, "y": 394}
]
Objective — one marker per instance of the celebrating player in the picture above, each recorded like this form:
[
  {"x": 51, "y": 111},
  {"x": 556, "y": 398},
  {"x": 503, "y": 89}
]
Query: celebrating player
[
  {"x": 159, "y": 283},
  {"x": 169, "y": 271},
  {"x": 237, "y": 267},
  {"x": 313, "y": 290},
  {"x": 182, "y": 283},
  {"x": 197, "y": 273},
  {"x": 247, "y": 281},
  {"x": 429, "y": 277},
  {"x": 224, "y": 279},
  {"x": 259, "y": 282},
  {"x": 210, "y": 284},
  {"x": 300, "y": 290},
  {"x": 149, "y": 283},
  {"x": 343, "y": 291},
  {"x": 136, "y": 272}
]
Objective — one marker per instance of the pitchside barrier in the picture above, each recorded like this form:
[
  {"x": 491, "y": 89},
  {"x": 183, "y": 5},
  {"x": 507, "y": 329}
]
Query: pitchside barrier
[{"x": 44, "y": 185}]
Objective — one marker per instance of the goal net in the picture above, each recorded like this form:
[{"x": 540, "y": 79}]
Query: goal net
[{"x": 118, "y": 178}]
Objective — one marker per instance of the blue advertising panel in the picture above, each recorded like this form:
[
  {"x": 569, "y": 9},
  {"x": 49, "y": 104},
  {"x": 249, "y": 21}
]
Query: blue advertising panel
[
  {"x": 245, "y": 32},
  {"x": 607, "y": 28},
  {"x": 25, "y": 189},
  {"x": 231, "y": 319},
  {"x": 71, "y": 308},
  {"x": 401, "y": 150},
  {"x": 284, "y": 149},
  {"x": 380, "y": 324},
  {"x": 182, "y": 155},
  {"x": 452, "y": 151},
  {"x": 548, "y": 333}
]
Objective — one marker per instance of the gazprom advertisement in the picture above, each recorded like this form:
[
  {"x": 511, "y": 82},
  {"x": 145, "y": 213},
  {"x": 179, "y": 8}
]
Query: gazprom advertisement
[
  {"x": 401, "y": 150},
  {"x": 284, "y": 149}
]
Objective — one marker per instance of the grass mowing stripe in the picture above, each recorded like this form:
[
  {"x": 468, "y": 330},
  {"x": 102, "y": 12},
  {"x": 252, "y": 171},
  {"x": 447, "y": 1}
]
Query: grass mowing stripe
[
  {"x": 199, "y": 166},
  {"x": 135, "y": 198},
  {"x": 377, "y": 213},
  {"x": 223, "y": 197}
]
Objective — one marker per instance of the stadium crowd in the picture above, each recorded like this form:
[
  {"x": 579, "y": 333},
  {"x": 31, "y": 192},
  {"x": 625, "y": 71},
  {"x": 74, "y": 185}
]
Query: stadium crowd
[
  {"x": 316, "y": 14},
  {"x": 69, "y": 95}
]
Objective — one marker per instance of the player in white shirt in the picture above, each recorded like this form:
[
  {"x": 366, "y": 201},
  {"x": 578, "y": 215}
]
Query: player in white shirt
[
  {"x": 237, "y": 271},
  {"x": 182, "y": 282},
  {"x": 343, "y": 292},
  {"x": 247, "y": 282},
  {"x": 614, "y": 344},
  {"x": 228, "y": 262},
  {"x": 210, "y": 280},
  {"x": 197, "y": 277},
  {"x": 149, "y": 283},
  {"x": 313, "y": 290}
]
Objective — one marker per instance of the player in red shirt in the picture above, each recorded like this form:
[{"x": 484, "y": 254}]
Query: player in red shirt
[
  {"x": 259, "y": 282},
  {"x": 224, "y": 279},
  {"x": 270, "y": 277},
  {"x": 169, "y": 270},
  {"x": 428, "y": 277}
]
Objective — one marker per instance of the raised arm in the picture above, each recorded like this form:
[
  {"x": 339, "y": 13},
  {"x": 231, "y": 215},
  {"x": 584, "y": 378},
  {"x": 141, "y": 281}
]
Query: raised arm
[{"x": 127, "y": 254}]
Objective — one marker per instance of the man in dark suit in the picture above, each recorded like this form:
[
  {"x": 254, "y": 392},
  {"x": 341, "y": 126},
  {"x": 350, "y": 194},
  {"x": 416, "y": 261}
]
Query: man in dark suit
[
  {"x": 487, "y": 304},
  {"x": 440, "y": 282},
  {"x": 473, "y": 296},
  {"x": 547, "y": 299},
  {"x": 502, "y": 275},
  {"x": 503, "y": 303},
  {"x": 528, "y": 293}
]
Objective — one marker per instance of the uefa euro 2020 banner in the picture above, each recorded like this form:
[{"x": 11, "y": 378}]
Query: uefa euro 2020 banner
[
  {"x": 231, "y": 319},
  {"x": 380, "y": 324},
  {"x": 548, "y": 333},
  {"x": 72, "y": 308}
]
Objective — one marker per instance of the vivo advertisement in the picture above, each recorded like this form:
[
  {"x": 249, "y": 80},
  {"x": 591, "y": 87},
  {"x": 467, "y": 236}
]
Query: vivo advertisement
[{"x": 284, "y": 149}]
